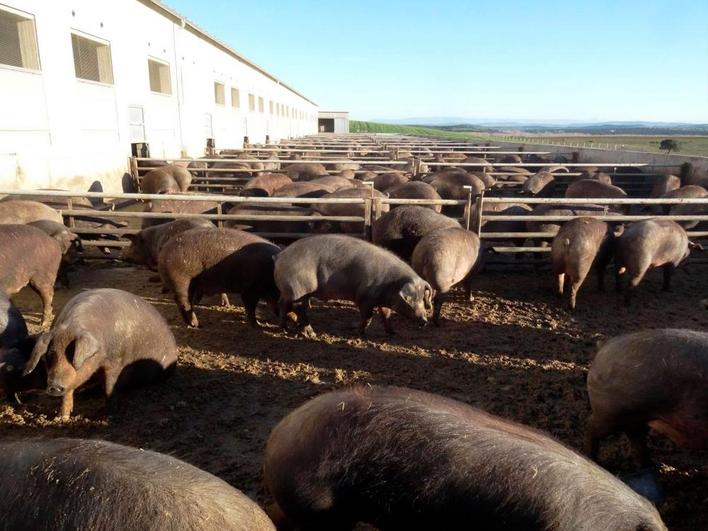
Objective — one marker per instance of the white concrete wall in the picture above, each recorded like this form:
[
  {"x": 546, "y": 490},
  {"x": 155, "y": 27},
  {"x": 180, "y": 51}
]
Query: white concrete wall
[
  {"x": 57, "y": 131},
  {"x": 699, "y": 165}
]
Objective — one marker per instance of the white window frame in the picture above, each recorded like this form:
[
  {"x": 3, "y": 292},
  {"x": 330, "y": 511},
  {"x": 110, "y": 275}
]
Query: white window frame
[
  {"x": 99, "y": 40},
  {"x": 28, "y": 16},
  {"x": 169, "y": 75},
  {"x": 223, "y": 93}
]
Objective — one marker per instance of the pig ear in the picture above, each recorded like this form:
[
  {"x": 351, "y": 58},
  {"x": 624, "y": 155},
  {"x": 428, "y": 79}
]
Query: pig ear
[
  {"x": 39, "y": 350},
  {"x": 428, "y": 296},
  {"x": 695, "y": 246},
  {"x": 85, "y": 347}
]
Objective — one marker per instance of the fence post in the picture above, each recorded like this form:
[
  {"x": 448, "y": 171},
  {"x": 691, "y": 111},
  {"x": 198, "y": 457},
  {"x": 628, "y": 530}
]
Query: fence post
[
  {"x": 70, "y": 206},
  {"x": 134, "y": 174},
  {"x": 367, "y": 218},
  {"x": 479, "y": 203},
  {"x": 219, "y": 210}
]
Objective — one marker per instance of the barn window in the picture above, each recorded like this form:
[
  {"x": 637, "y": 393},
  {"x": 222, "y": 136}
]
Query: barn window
[
  {"x": 260, "y": 104},
  {"x": 159, "y": 77},
  {"x": 18, "y": 41},
  {"x": 92, "y": 59},
  {"x": 235, "y": 98},
  {"x": 270, "y": 107},
  {"x": 251, "y": 102},
  {"x": 219, "y": 97}
]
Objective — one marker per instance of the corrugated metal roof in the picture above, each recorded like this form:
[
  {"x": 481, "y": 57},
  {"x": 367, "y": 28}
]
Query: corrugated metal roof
[{"x": 173, "y": 15}]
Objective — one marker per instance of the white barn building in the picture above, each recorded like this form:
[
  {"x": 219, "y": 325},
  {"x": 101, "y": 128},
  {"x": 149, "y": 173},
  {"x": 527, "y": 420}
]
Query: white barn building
[{"x": 85, "y": 83}]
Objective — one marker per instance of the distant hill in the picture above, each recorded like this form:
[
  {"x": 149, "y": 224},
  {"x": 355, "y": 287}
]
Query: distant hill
[{"x": 558, "y": 127}]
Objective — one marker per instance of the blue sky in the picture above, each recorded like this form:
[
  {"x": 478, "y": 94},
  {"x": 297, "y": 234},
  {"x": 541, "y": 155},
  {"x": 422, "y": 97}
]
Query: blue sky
[{"x": 531, "y": 60}]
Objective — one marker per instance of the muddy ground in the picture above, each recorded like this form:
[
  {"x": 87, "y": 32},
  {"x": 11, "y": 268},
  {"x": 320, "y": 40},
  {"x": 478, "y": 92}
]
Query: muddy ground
[{"x": 513, "y": 351}]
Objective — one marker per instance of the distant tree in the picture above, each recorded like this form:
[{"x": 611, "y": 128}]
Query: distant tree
[{"x": 669, "y": 145}]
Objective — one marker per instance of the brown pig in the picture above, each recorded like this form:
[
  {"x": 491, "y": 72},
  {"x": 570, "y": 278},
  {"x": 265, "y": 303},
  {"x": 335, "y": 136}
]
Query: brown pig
[
  {"x": 665, "y": 184},
  {"x": 19, "y": 212},
  {"x": 29, "y": 256},
  {"x": 106, "y": 330},
  {"x": 265, "y": 185},
  {"x": 305, "y": 171},
  {"x": 415, "y": 190},
  {"x": 401, "y": 229},
  {"x": 540, "y": 184},
  {"x": 334, "y": 266},
  {"x": 350, "y": 209},
  {"x": 444, "y": 258},
  {"x": 647, "y": 244},
  {"x": 580, "y": 245},
  {"x": 145, "y": 246},
  {"x": 94, "y": 484},
  {"x": 400, "y": 459},
  {"x": 594, "y": 189},
  {"x": 207, "y": 261},
  {"x": 650, "y": 379},
  {"x": 169, "y": 179}
]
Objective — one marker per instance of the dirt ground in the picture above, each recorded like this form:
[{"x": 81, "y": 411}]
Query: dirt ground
[{"x": 513, "y": 351}]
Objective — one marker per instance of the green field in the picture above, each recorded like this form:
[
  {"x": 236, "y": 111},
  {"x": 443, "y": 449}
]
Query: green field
[
  {"x": 688, "y": 145},
  {"x": 356, "y": 126}
]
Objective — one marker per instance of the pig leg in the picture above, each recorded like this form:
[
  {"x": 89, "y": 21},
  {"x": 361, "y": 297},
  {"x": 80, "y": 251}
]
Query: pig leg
[
  {"x": 596, "y": 429},
  {"x": 225, "y": 301},
  {"x": 307, "y": 330},
  {"x": 437, "y": 307},
  {"x": 284, "y": 308},
  {"x": 67, "y": 404},
  {"x": 560, "y": 282},
  {"x": 183, "y": 293},
  {"x": 250, "y": 301},
  {"x": 46, "y": 291},
  {"x": 367, "y": 312},
  {"x": 668, "y": 273},
  {"x": 385, "y": 314},
  {"x": 637, "y": 436}
]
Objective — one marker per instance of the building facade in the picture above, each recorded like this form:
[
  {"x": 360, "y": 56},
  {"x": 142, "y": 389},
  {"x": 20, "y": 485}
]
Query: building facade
[
  {"x": 85, "y": 83},
  {"x": 333, "y": 122}
]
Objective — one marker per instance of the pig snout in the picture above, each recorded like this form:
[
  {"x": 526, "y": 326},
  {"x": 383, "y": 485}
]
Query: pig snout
[
  {"x": 422, "y": 321},
  {"x": 55, "y": 388}
]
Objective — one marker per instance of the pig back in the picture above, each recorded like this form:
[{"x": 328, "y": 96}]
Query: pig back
[
  {"x": 94, "y": 484},
  {"x": 338, "y": 266},
  {"x": 654, "y": 375},
  {"x": 404, "y": 459},
  {"x": 19, "y": 212},
  {"x": 228, "y": 258},
  {"x": 124, "y": 325},
  {"x": 401, "y": 229},
  {"x": 444, "y": 257},
  {"x": 26, "y": 251}
]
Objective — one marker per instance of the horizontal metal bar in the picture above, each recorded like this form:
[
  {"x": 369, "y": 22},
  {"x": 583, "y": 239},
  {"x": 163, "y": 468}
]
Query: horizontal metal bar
[
  {"x": 522, "y": 249},
  {"x": 493, "y": 235},
  {"x": 166, "y": 215},
  {"x": 608, "y": 217},
  {"x": 560, "y": 201},
  {"x": 392, "y": 201},
  {"x": 573, "y": 164},
  {"x": 264, "y": 161},
  {"x": 196, "y": 197}
]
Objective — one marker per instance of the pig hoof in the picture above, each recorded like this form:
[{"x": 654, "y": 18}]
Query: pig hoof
[{"x": 308, "y": 332}]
